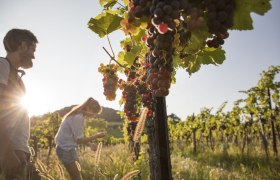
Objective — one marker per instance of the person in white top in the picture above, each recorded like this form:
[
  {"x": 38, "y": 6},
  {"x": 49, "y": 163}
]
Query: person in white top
[
  {"x": 71, "y": 133},
  {"x": 20, "y": 45}
]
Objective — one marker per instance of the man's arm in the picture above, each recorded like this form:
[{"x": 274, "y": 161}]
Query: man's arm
[{"x": 10, "y": 161}]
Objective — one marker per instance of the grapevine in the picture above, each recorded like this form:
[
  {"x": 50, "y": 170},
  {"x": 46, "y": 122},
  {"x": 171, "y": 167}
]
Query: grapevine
[
  {"x": 172, "y": 34},
  {"x": 162, "y": 36}
]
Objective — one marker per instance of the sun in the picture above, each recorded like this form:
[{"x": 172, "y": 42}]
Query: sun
[{"x": 35, "y": 102}]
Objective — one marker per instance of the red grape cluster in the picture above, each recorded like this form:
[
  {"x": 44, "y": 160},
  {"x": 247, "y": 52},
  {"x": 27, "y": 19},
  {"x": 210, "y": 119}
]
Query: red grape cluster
[
  {"x": 129, "y": 97},
  {"x": 163, "y": 15},
  {"x": 220, "y": 19},
  {"x": 160, "y": 43},
  {"x": 110, "y": 80},
  {"x": 139, "y": 8},
  {"x": 159, "y": 81},
  {"x": 146, "y": 95},
  {"x": 171, "y": 24}
]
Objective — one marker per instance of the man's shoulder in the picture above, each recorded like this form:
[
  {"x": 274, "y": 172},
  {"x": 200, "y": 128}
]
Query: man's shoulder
[
  {"x": 4, "y": 67},
  {"x": 75, "y": 118},
  {"x": 4, "y": 62},
  {"x": 3, "y": 59}
]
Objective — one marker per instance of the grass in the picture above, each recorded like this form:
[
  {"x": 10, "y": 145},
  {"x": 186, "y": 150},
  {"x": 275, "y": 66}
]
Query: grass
[
  {"x": 115, "y": 129},
  {"x": 116, "y": 161},
  {"x": 221, "y": 165}
]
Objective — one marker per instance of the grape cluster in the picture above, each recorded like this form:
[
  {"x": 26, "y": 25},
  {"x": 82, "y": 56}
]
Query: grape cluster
[
  {"x": 193, "y": 16},
  {"x": 147, "y": 98},
  {"x": 110, "y": 80},
  {"x": 171, "y": 24},
  {"x": 132, "y": 72},
  {"x": 159, "y": 41},
  {"x": 139, "y": 8},
  {"x": 159, "y": 81},
  {"x": 131, "y": 126},
  {"x": 220, "y": 19},
  {"x": 163, "y": 14},
  {"x": 184, "y": 36},
  {"x": 129, "y": 96}
]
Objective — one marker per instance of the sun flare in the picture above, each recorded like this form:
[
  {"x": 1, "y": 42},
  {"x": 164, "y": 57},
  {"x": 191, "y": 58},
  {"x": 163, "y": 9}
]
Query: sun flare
[{"x": 35, "y": 103}]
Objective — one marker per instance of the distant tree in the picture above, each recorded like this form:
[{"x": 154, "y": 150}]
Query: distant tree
[{"x": 174, "y": 118}]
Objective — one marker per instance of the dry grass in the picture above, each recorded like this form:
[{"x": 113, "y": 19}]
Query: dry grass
[
  {"x": 130, "y": 175},
  {"x": 140, "y": 125},
  {"x": 98, "y": 153}
]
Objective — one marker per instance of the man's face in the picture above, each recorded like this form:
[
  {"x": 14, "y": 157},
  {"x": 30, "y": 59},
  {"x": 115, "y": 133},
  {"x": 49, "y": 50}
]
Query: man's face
[{"x": 26, "y": 55}]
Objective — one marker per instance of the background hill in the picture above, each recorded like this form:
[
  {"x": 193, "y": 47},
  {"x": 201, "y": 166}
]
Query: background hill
[{"x": 108, "y": 114}]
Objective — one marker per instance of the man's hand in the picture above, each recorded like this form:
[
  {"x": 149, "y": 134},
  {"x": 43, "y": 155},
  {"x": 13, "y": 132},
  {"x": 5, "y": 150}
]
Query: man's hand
[
  {"x": 93, "y": 146},
  {"x": 91, "y": 138}
]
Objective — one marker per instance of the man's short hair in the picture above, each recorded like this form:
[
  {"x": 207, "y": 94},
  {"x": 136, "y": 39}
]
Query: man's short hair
[{"x": 14, "y": 37}]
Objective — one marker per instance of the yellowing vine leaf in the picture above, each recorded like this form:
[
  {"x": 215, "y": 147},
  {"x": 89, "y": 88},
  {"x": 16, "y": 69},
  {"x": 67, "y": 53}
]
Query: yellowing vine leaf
[
  {"x": 105, "y": 3},
  {"x": 105, "y": 23},
  {"x": 127, "y": 58}
]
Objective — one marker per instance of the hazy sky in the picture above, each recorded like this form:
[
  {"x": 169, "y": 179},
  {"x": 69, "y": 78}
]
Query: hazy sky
[{"x": 69, "y": 53}]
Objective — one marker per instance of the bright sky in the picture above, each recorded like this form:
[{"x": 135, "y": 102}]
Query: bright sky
[{"x": 68, "y": 55}]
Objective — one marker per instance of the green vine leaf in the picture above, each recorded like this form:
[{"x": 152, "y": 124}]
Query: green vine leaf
[
  {"x": 213, "y": 56},
  {"x": 242, "y": 18},
  {"x": 105, "y": 23},
  {"x": 194, "y": 65},
  {"x": 197, "y": 41},
  {"x": 127, "y": 58},
  {"x": 205, "y": 57}
]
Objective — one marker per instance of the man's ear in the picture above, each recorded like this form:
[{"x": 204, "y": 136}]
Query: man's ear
[{"x": 23, "y": 46}]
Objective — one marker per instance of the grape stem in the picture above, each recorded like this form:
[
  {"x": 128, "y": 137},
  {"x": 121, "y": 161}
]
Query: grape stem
[
  {"x": 121, "y": 5},
  {"x": 110, "y": 45},
  {"x": 131, "y": 39},
  {"x": 112, "y": 58}
]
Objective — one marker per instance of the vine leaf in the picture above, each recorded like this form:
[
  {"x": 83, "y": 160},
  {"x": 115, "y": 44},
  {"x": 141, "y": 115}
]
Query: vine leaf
[
  {"x": 242, "y": 18},
  {"x": 194, "y": 64},
  {"x": 197, "y": 41},
  {"x": 107, "y": 3},
  {"x": 213, "y": 56},
  {"x": 105, "y": 23},
  {"x": 205, "y": 57},
  {"x": 129, "y": 57}
]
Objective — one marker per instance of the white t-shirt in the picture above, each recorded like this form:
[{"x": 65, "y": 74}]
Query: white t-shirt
[
  {"x": 16, "y": 121},
  {"x": 4, "y": 71},
  {"x": 70, "y": 130}
]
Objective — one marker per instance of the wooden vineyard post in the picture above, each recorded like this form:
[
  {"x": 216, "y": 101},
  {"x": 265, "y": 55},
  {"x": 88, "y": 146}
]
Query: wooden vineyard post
[{"x": 159, "y": 152}]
